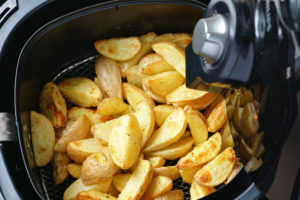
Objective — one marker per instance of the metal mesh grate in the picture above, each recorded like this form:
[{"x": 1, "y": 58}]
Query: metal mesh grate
[{"x": 85, "y": 68}]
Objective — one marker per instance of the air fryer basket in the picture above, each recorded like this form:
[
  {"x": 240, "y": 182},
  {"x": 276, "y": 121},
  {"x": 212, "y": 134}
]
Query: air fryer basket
[{"x": 64, "y": 48}]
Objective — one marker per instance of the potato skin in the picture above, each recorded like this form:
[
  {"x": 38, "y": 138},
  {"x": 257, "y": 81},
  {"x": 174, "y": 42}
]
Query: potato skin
[{"x": 59, "y": 164}]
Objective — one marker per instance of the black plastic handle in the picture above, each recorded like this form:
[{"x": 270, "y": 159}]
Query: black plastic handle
[{"x": 7, "y": 8}]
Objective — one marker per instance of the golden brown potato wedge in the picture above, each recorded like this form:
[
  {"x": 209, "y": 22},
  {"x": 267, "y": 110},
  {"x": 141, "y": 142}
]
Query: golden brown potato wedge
[
  {"x": 79, "y": 150},
  {"x": 138, "y": 182},
  {"x": 199, "y": 191},
  {"x": 156, "y": 161},
  {"x": 249, "y": 120},
  {"x": 120, "y": 180},
  {"x": 197, "y": 125},
  {"x": 125, "y": 141},
  {"x": 80, "y": 91},
  {"x": 43, "y": 138},
  {"x": 59, "y": 165},
  {"x": 218, "y": 170},
  {"x": 109, "y": 76},
  {"x": 153, "y": 64},
  {"x": 158, "y": 186},
  {"x": 97, "y": 167},
  {"x": 103, "y": 131},
  {"x": 94, "y": 195},
  {"x": 180, "y": 39},
  {"x": 174, "y": 55},
  {"x": 79, "y": 130},
  {"x": 135, "y": 95},
  {"x": 53, "y": 105},
  {"x": 172, "y": 195},
  {"x": 202, "y": 153},
  {"x": 187, "y": 175},
  {"x": 246, "y": 97},
  {"x": 170, "y": 132},
  {"x": 237, "y": 115},
  {"x": 113, "y": 191},
  {"x": 75, "y": 112},
  {"x": 216, "y": 114},
  {"x": 175, "y": 150},
  {"x": 77, "y": 186},
  {"x": 237, "y": 167},
  {"x": 146, "y": 41},
  {"x": 162, "y": 112},
  {"x": 162, "y": 84},
  {"x": 170, "y": 171},
  {"x": 111, "y": 106},
  {"x": 230, "y": 110},
  {"x": 135, "y": 76},
  {"x": 74, "y": 170},
  {"x": 59, "y": 132},
  {"x": 227, "y": 139},
  {"x": 119, "y": 48}
]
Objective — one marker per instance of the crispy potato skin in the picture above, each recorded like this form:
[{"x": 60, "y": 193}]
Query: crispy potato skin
[
  {"x": 169, "y": 171},
  {"x": 198, "y": 191},
  {"x": 172, "y": 195},
  {"x": 111, "y": 106},
  {"x": 158, "y": 186},
  {"x": 94, "y": 195},
  {"x": 59, "y": 164},
  {"x": 74, "y": 170}
]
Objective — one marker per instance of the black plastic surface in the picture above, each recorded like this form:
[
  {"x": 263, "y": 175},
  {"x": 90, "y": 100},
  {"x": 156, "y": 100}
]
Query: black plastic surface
[{"x": 296, "y": 189}]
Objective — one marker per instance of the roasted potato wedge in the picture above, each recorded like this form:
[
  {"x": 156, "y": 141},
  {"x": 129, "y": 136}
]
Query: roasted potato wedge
[
  {"x": 131, "y": 169},
  {"x": 75, "y": 112},
  {"x": 79, "y": 150},
  {"x": 197, "y": 125},
  {"x": 202, "y": 153},
  {"x": 59, "y": 165},
  {"x": 153, "y": 64},
  {"x": 174, "y": 55},
  {"x": 169, "y": 171},
  {"x": 245, "y": 152},
  {"x": 80, "y": 91},
  {"x": 119, "y": 48},
  {"x": 97, "y": 167},
  {"x": 249, "y": 120},
  {"x": 156, "y": 161},
  {"x": 43, "y": 138},
  {"x": 77, "y": 186},
  {"x": 120, "y": 180},
  {"x": 111, "y": 106},
  {"x": 162, "y": 112},
  {"x": 180, "y": 39},
  {"x": 246, "y": 97},
  {"x": 162, "y": 84},
  {"x": 158, "y": 186},
  {"x": 135, "y": 76},
  {"x": 175, "y": 150},
  {"x": 74, "y": 170},
  {"x": 53, "y": 105},
  {"x": 125, "y": 141},
  {"x": 260, "y": 150},
  {"x": 103, "y": 131},
  {"x": 170, "y": 132},
  {"x": 237, "y": 167},
  {"x": 227, "y": 139},
  {"x": 216, "y": 114},
  {"x": 218, "y": 170},
  {"x": 172, "y": 195},
  {"x": 109, "y": 76},
  {"x": 94, "y": 195},
  {"x": 135, "y": 95},
  {"x": 146, "y": 41},
  {"x": 187, "y": 175},
  {"x": 251, "y": 164},
  {"x": 198, "y": 191},
  {"x": 59, "y": 132},
  {"x": 113, "y": 191},
  {"x": 138, "y": 182}
]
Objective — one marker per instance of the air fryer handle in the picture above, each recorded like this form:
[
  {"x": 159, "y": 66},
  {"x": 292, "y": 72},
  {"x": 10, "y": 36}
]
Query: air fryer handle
[{"x": 253, "y": 193}]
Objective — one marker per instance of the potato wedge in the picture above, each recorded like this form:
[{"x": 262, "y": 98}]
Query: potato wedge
[
  {"x": 218, "y": 170},
  {"x": 80, "y": 91},
  {"x": 237, "y": 115},
  {"x": 170, "y": 171},
  {"x": 125, "y": 141},
  {"x": 175, "y": 150},
  {"x": 162, "y": 84},
  {"x": 246, "y": 97},
  {"x": 202, "y": 153},
  {"x": 172, "y": 195},
  {"x": 131, "y": 169},
  {"x": 103, "y": 131},
  {"x": 156, "y": 161},
  {"x": 120, "y": 180},
  {"x": 59, "y": 132},
  {"x": 236, "y": 169},
  {"x": 170, "y": 132},
  {"x": 135, "y": 77},
  {"x": 245, "y": 152},
  {"x": 249, "y": 120},
  {"x": 111, "y": 106},
  {"x": 74, "y": 170},
  {"x": 97, "y": 167},
  {"x": 250, "y": 164},
  {"x": 146, "y": 118},
  {"x": 138, "y": 182},
  {"x": 180, "y": 39},
  {"x": 119, "y": 48},
  {"x": 256, "y": 142},
  {"x": 135, "y": 95},
  {"x": 59, "y": 165},
  {"x": 75, "y": 112},
  {"x": 257, "y": 165},
  {"x": 158, "y": 186},
  {"x": 174, "y": 55},
  {"x": 94, "y": 195},
  {"x": 227, "y": 139},
  {"x": 77, "y": 186},
  {"x": 260, "y": 150},
  {"x": 53, "y": 105},
  {"x": 153, "y": 64},
  {"x": 79, "y": 150},
  {"x": 197, "y": 125},
  {"x": 113, "y": 191},
  {"x": 187, "y": 175},
  {"x": 146, "y": 41},
  {"x": 79, "y": 130},
  {"x": 43, "y": 138},
  {"x": 109, "y": 76},
  {"x": 216, "y": 114},
  {"x": 199, "y": 191},
  {"x": 162, "y": 112}
]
